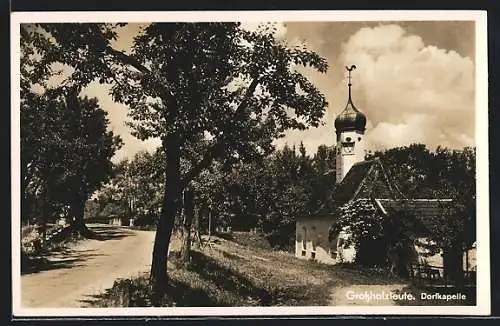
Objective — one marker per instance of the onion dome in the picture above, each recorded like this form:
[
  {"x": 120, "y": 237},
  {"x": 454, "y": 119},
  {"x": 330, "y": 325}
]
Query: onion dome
[{"x": 350, "y": 118}]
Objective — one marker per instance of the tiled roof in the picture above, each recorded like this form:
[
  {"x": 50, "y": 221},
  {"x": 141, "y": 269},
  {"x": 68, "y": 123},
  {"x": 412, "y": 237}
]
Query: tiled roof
[
  {"x": 366, "y": 179},
  {"x": 347, "y": 189},
  {"x": 427, "y": 211}
]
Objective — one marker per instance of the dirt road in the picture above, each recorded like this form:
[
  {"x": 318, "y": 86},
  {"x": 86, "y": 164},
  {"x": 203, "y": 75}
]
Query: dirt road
[{"x": 72, "y": 276}]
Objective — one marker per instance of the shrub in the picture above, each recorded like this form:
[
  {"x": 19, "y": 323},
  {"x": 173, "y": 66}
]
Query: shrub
[{"x": 31, "y": 241}]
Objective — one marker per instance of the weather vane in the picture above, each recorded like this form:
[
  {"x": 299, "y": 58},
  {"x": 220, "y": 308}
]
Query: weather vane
[{"x": 349, "y": 69}]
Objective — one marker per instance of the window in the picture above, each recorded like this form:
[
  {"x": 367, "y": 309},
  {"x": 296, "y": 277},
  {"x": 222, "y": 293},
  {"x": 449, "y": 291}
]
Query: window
[{"x": 313, "y": 255}]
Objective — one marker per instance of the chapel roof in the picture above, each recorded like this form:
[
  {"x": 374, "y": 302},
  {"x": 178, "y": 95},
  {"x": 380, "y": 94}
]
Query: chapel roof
[
  {"x": 427, "y": 211},
  {"x": 366, "y": 179},
  {"x": 350, "y": 118}
]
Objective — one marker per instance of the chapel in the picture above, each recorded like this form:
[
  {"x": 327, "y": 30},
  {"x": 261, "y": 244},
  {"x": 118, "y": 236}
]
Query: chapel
[{"x": 356, "y": 178}]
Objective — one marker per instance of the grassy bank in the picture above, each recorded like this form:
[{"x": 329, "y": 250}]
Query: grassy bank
[
  {"x": 229, "y": 273},
  {"x": 35, "y": 249}
]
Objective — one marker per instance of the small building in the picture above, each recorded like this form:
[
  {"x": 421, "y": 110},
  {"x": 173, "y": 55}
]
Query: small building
[{"x": 366, "y": 180}]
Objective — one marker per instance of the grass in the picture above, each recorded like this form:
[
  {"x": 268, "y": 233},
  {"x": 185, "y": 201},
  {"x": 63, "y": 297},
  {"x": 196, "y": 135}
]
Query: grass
[
  {"x": 234, "y": 271},
  {"x": 229, "y": 273}
]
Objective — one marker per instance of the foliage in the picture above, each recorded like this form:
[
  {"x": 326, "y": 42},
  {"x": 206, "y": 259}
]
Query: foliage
[
  {"x": 268, "y": 194},
  {"x": 66, "y": 151},
  {"x": 444, "y": 174},
  {"x": 31, "y": 241},
  {"x": 365, "y": 226},
  {"x": 65, "y": 145},
  {"x": 136, "y": 189}
]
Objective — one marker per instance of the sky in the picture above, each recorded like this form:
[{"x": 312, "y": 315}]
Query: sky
[{"x": 414, "y": 81}]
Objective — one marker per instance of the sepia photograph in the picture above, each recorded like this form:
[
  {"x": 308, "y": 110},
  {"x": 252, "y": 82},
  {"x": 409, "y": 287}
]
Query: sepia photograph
[{"x": 249, "y": 163}]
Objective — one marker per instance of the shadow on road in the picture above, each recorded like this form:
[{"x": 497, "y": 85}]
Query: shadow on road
[
  {"x": 103, "y": 233},
  {"x": 58, "y": 259},
  {"x": 64, "y": 257}
]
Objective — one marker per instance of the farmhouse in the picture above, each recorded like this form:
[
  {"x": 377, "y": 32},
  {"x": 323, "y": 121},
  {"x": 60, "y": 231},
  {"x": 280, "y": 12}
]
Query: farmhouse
[{"x": 358, "y": 179}]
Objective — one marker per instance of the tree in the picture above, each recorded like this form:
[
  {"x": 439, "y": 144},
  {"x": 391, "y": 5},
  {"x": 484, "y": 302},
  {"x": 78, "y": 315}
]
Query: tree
[
  {"x": 364, "y": 224},
  {"x": 442, "y": 174},
  {"x": 412, "y": 168},
  {"x": 66, "y": 151},
  {"x": 65, "y": 145},
  {"x": 184, "y": 80},
  {"x": 90, "y": 147},
  {"x": 137, "y": 187}
]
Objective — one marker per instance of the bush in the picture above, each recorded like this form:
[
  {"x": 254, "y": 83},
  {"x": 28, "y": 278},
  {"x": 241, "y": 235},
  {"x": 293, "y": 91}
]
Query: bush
[{"x": 31, "y": 241}]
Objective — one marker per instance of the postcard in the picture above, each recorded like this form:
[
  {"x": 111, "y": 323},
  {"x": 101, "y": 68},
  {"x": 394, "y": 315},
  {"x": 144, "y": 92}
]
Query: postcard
[{"x": 237, "y": 163}]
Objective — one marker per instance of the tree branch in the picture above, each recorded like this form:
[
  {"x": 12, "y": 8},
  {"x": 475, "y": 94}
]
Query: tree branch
[
  {"x": 128, "y": 60},
  {"x": 124, "y": 58},
  {"x": 212, "y": 152}
]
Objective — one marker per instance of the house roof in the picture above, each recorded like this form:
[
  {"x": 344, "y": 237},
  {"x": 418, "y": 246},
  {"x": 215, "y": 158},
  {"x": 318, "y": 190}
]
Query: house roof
[
  {"x": 426, "y": 211},
  {"x": 366, "y": 179},
  {"x": 348, "y": 188}
]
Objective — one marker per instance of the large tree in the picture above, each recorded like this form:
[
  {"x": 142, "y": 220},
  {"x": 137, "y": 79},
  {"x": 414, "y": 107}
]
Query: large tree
[
  {"x": 183, "y": 80},
  {"x": 66, "y": 150}
]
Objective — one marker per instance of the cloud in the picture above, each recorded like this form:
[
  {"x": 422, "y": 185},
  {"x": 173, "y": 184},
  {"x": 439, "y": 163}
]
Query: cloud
[
  {"x": 409, "y": 91},
  {"x": 412, "y": 87}
]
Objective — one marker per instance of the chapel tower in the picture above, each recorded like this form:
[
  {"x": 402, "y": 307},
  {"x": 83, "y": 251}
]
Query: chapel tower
[{"x": 350, "y": 129}]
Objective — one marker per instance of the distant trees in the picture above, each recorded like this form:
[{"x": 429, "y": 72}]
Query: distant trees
[
  {"x": 136, "y": 189},
  {"x": 445, "y": 174},
  {"x": 269, "y": 193},
  {"x": 65, "y": 155}
]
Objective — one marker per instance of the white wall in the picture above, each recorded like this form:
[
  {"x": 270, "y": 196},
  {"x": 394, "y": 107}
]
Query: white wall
[
  {"x": 315, "y": 244},
  {"x": 344, "y": 161}
]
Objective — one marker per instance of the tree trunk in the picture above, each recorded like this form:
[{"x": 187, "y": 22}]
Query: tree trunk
[
  {"x": 197, "y": 226},
  {"x": 46, "y": 211},
  {"x": 170, "y": 204},
  {"x": 186, "y": 226},
  {"x": 209, "y": 224},
  {"x": 78, "y": 223},
  {"x": 453, "y": 264}
]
